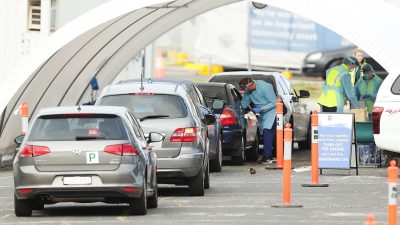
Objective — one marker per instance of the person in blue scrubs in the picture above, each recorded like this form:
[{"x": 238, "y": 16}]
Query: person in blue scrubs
[{"x": 263, "y": 97}]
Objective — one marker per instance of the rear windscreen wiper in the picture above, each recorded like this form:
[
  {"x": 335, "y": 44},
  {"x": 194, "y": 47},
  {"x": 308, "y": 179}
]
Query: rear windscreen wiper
[
  {"x": 78, "y": 138},
  {"x": 153, "y": 117}
]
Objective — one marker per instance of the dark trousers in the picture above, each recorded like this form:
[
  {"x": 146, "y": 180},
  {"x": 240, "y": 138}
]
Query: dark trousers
[
  {"x": 269, "y": 136},
  {"x": 328, "y": 109}
]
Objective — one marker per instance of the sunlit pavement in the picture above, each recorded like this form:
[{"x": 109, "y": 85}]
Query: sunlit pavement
[{"x": 235, "y": 197}]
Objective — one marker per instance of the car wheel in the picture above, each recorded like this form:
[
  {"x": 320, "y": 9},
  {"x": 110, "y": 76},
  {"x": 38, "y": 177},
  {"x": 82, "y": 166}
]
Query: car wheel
[
  {"x": 306, "y": 145},
  {"x": 239, "y": 160},
  {"x": 216, "y": 164},
  {"x": 22, "y": 207},
  {"x": 253, "y": 153},
  {"x": 138, "y": 206},
  {"x": 152, "y": 201},
  {"x": 196, "y": 184},
  {"x": 207, "y": 178}
]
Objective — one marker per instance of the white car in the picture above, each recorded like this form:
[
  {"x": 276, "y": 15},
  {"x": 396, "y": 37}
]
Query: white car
[{"x": 386, "y": 116}]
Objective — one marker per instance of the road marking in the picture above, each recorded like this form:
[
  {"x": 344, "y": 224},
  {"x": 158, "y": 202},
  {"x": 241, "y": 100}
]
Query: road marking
[
  {"x": 121, "y": 218},
  {"x": 5, "y": 216}
]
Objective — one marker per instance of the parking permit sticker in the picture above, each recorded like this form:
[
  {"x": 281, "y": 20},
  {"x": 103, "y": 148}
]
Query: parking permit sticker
[{"x": 92, "y": 157}]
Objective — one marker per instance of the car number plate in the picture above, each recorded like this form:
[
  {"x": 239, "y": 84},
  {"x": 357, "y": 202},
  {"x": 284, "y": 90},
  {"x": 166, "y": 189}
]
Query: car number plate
[{"x": 77, "y": 180}]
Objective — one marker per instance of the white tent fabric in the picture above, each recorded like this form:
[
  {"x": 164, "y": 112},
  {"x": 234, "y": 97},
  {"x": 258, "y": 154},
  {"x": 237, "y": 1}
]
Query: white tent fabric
[{"x": 103, "y": 41}]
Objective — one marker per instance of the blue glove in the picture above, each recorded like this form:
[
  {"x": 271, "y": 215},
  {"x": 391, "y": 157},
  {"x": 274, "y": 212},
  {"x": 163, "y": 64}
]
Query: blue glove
[
  {"x": 366, "y": 96},
  {"x": 256, "y": 110}
]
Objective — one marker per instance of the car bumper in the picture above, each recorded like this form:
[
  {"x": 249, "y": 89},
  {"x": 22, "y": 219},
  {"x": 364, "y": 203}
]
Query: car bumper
[
  {"x": 31, "y": 183},
  {"x": 311, "y": 69},
  {"x": 231, "y": 142},
  {"x": 185, "y": 165}
]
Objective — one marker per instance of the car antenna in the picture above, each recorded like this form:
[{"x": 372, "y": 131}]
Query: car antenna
[{"x": 142, "y": 72}]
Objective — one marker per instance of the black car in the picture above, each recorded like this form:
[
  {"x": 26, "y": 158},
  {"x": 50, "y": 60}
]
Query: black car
[
  {"x": 316, "y": 63},
  {"x": 239, "y": 126}
]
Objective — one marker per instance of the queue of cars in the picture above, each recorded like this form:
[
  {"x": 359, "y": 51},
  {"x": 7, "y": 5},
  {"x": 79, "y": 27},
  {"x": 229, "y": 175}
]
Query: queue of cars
[{"x": 140, "y": 134}]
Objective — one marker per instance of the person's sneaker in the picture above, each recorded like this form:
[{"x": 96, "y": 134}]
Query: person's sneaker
[{"x": 265, "y": 160}]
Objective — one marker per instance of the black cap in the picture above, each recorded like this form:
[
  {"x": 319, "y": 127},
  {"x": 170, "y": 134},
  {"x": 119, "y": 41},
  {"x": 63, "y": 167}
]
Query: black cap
[{"x": 367, "y": 67}]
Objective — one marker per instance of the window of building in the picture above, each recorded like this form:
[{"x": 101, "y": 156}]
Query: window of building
[{"x": 34, "y": 15}]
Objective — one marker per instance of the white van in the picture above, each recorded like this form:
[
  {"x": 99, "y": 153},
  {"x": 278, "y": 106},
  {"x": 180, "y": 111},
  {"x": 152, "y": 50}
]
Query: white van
[{"x": 386, "y": 115}]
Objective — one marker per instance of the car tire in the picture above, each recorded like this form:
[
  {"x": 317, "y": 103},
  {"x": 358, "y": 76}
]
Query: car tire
[
  {"x": 216, "y": 164},
  {"x": 138, "y": 206},
  {"x": 152, "y": 201},
  {"x": 252, "y": 154},
  {"x": 239, "y": 160},
  {"x": 306, "y": 145},
  {"x": 196, "y": 184},
  {"x": 22, "y": 207},
  {"x": 207, "y": 178}
]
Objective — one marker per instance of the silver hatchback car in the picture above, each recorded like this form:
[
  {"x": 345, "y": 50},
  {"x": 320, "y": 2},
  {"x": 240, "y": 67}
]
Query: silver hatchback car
[
  {"x": 167, "y": 108},
  {"x": 85, "y": 154}
]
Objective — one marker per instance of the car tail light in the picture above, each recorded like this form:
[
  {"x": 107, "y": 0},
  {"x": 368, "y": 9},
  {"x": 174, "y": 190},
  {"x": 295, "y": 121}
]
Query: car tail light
[
  {"x": 227, "y": 118},
  {"x": 25, "y": 190},
  {"x": 123, "y": 149},
  {"x": 33, "y": 150},
  {"x": 376, "y": 119},
  {"x": 128, "y": 149},
  {"x": 184, "y": 135},
  {"x": 129, "y": 189}
]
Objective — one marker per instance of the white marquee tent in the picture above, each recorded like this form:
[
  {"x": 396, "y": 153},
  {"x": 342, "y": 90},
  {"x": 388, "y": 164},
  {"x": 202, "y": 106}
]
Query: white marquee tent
[{"x": 105, "y": 39}]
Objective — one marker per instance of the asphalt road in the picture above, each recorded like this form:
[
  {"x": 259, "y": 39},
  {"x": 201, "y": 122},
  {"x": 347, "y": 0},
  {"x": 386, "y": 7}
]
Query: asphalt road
[{"x": 235, "y": 197}]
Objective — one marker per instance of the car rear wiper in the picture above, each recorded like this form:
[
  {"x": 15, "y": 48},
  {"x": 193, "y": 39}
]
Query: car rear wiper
[
  {"x": 79, "y": 138},
  {"x": 153, "y": 117}
]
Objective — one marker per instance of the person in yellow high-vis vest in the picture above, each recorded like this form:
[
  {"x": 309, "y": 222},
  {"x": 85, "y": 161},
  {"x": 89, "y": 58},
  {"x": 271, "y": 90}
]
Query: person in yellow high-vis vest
[
  {"x": 337, "y": 86},
  {"x": 356, "y": 72},
  {"x": 367, "y": 87}
]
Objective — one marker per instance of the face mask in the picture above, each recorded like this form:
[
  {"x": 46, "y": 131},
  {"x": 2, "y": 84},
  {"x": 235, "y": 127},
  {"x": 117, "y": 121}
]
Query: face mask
[{"x": 368, "y": 76}]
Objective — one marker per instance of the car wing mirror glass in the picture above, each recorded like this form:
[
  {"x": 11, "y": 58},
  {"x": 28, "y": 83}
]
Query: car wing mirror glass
[
  {"x": 218, "y": 104},
  {"x": 155, "y": 137},
  {"x": 18, "y": 140},
  {"x": 209, "y": 119},
  {"x": 304, "y": 94}
]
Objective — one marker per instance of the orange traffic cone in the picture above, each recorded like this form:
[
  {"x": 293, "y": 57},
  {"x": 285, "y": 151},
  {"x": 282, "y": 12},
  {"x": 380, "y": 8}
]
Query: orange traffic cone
[
  {"x": 371, "y": 220},
  {"x": 159, "y": 71}
]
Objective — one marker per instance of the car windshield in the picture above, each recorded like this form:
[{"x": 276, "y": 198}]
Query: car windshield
[
  {"x": 213, "y": 92},
  {"x": 157, "y": 106},
  {"x": 72, "y": 127}
]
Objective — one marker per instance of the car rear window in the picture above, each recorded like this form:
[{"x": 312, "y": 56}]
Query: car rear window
[
  {"x": 71, "y": 127},
  {"x": 213, "y": 92},
  {"x": 163, "y": 105},
  {"x": 396, "y": 86}
]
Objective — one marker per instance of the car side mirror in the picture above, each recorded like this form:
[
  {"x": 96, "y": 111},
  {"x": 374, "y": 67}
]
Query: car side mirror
[
  {"x": 304, "y": 94},
  {"x": 155, "y": 137},
  {"x": 218, "y": 104},
  {"x": 18, "y": 140},
  {"x": 209, "y": 119}
]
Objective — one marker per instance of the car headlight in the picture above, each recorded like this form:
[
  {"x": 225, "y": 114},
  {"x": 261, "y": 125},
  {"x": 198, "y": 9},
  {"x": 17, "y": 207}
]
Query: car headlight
[{"x": 314, "y": 57}]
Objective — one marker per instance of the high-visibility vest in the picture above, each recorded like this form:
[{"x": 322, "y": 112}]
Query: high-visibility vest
[
  {"x": 332, "y": 95},
  {"x": 354, "y": 72}
]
